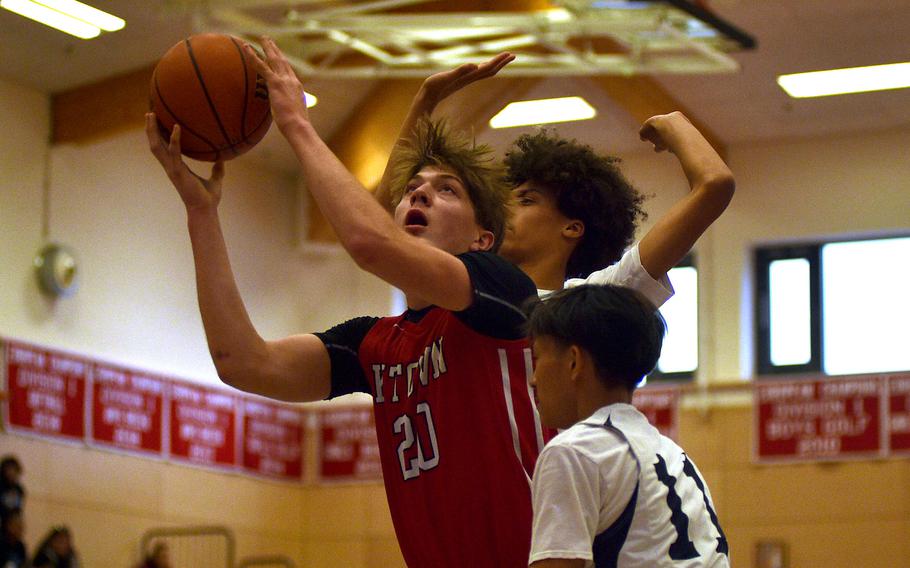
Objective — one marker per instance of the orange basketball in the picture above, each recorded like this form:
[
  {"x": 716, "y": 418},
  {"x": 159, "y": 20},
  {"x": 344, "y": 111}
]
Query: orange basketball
[{"x": 207, "y": 84}]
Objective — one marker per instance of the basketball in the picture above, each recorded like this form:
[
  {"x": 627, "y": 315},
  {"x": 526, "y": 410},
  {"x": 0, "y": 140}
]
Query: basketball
[{"x": 208, "y": 85}]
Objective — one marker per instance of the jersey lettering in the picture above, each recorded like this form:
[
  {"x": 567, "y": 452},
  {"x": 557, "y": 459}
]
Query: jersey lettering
[
  {"x": 411, "y": 372},
  {"x": 378, "y": 369},
  {"x": 439, "y": 361},
  {"x": 395, "y": 371}
]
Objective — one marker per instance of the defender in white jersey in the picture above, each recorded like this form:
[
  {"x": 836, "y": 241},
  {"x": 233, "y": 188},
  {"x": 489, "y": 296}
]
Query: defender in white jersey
[
  {"x": 574, "y": 213},
  {"x": 610, "y": 490}
]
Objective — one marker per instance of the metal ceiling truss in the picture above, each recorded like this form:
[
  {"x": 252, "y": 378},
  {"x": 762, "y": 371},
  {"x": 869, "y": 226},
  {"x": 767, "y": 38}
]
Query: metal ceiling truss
[{"x": 576, "y": 37}]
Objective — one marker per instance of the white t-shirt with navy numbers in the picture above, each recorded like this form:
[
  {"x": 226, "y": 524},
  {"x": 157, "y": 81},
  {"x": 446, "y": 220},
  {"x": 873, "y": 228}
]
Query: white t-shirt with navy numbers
[{"x": 613, "y": 491}]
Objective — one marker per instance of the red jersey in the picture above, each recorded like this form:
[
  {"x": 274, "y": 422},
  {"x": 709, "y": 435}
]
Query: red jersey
[
  {"x": 457, "y": 429},
  {"x": 458, "y": 440}
]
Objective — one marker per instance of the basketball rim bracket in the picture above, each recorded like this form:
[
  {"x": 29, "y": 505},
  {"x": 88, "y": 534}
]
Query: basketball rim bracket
[{"x": 412, "y": 38}]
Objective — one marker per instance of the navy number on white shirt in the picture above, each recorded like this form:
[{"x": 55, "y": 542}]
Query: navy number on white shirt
[
  {"x": 411, "y": 467},
  {"x": 683, "y": 548}
]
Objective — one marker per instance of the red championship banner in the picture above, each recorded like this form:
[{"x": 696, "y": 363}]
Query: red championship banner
[
  {"x": 272, "y": 439},
  {"x": 46, "y": 391},
  {"x": 203, "y": 425},
  {"x": 899, "y": 413},
  {"x": 127, "y": 409},
  {"x": 834, "y": 418},
  {"x": 348, "y": 449},
  {"x": 661, "y": 406}
]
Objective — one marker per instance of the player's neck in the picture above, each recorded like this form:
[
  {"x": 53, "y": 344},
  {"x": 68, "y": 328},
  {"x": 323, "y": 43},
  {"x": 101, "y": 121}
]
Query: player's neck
[
  {"x": 597, "y": 396},
  {"x": 548, "y": 273}
]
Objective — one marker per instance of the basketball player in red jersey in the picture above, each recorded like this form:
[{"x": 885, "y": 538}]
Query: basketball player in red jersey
[
  {"x": 457, "y": 429},
  {"x": 574, "y": 214}
]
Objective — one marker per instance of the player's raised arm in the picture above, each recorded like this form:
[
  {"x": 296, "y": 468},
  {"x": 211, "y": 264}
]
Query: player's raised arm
[
  {"x": 296, "y": 368},
  {"x": 433, "y": 91},
  {"x": 711, "y": 186},
  {"x": 373, "y": 239}
]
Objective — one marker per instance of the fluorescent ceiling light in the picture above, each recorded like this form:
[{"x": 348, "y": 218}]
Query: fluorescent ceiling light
[
  {"x": 69, "y": 16},
  {"x": 52, "y": 18},
  {"x": 543, "y": 111},
  {"x": 622, "y": 5},
  {"x": 442, "y": 35},
  {"x": 86, "y": 13},
  {"x": 844, "y": 81},
  {"x": 558, "y": 15}
]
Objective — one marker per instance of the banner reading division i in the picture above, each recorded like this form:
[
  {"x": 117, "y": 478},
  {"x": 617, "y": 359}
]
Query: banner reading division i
[
  {"x": 272, "y": 439},
  {"x": 127, "y": 409},
  {"x": 203, "y": 426},
  {"x": 833, "y": 418},
  {"x": 899, "y": 413},
  {"x": 46, "y": 391}
]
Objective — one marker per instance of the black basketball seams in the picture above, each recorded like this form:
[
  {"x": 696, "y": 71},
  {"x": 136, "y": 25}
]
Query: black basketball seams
[
  {"x": 177, "y": 120},
  {"x": 208, "y": 98},
  {"x": 266, "y": 120},
  {"x": 216, "y": 150},
  {"x": 246, "y": 88}
]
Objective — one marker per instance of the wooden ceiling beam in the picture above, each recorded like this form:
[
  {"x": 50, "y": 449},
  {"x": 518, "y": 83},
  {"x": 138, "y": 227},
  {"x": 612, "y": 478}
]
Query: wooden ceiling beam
[
  {"x": 101, "y": 109},
  {"x": 643, "y": 97}
]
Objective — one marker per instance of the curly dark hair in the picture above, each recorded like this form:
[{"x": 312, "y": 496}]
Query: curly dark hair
[
  {"x": 586, "y": 186},
  {"x": 432, "y": 144}
]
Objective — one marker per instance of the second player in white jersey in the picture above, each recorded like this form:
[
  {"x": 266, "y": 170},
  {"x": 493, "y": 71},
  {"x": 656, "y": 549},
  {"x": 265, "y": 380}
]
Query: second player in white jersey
[
  {"x": 614, "y": 491},
  {"x": 610, "y": 490}
]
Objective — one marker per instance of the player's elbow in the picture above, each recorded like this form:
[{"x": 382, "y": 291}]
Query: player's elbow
[
  {"x": 237, "y": 369},
  {"x": 368, "y": 248},
  {"x": 233, "y": 375},
  {"x": 720, "y": 187}
]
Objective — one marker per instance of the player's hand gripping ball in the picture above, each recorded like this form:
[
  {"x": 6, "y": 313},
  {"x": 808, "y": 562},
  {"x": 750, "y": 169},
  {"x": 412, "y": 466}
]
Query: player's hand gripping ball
[{"x": 208, "y": 85}]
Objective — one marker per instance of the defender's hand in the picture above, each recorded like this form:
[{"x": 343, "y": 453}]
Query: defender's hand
[
  {"x": 196, "y": 192},
  {"x": 656, "y": 129}
]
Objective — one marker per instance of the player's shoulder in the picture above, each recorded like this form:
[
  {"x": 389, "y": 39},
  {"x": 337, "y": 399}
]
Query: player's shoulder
[
  {"x": 490, "y": 261},
  {"x": 496, "y": 276},
  {"x": 587, "y": 440}
]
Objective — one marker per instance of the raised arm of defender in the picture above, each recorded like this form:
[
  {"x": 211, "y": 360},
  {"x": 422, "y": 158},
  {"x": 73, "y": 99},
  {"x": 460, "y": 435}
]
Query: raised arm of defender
[
  {"x": 711, "y": 186},
  {"x": 433, "y": 91}
]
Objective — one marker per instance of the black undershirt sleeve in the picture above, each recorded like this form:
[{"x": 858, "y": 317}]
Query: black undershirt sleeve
[
  {"x": 343, "y": 343},
  {"x": 500, "y": 290}
]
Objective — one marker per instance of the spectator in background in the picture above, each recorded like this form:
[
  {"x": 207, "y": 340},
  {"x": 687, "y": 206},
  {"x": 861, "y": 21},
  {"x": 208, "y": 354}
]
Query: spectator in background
[
  {"x": 157, "y": 558},
  {"x": 56, "y": 550},
  {"x": 12, "y": 495},
  {"x": 12, "y": 549}
]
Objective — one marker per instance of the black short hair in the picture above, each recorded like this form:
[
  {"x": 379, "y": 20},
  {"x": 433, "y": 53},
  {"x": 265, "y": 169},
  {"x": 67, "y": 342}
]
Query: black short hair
[
  {"x": 8, "y": 461},
  {"x": 7, "y": 515},
  {"x": 586, "y": 186},
  {"x": 619, "y": 328}
]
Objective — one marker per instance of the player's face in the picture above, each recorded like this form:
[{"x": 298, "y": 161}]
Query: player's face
[
  {"x": 436, "y": 206},
  {"x": 552, "y": 379},
  {"x": 535, "y": 224}
]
